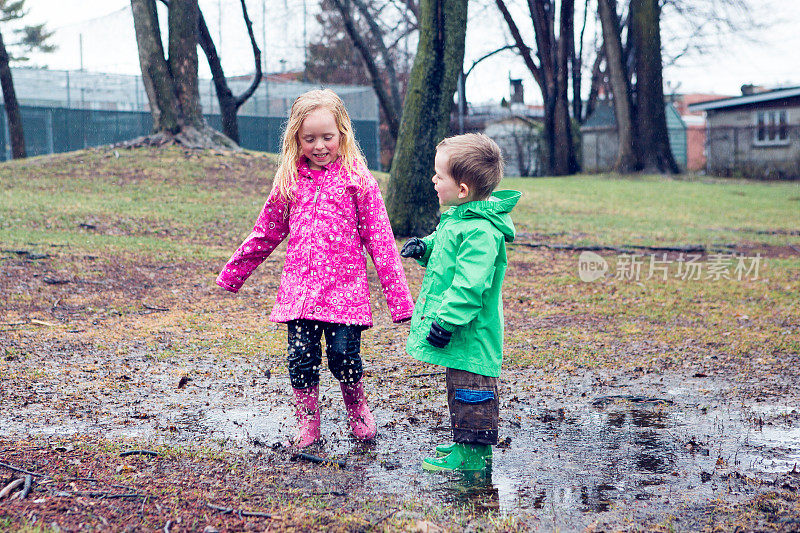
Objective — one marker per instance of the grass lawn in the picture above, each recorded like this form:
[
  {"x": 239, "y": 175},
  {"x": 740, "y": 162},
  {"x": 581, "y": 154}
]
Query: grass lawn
[{"x": 655, "y": 210}]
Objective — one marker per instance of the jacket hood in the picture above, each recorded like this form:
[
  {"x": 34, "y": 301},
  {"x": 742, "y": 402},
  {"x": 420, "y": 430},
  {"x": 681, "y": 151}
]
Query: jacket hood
[{"x": 496, "y": 210}]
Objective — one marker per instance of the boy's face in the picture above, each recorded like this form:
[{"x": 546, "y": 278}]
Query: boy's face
[{"x": 449, "y": 192}]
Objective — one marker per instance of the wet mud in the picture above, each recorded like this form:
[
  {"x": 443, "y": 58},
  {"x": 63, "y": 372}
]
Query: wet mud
[{"x": 594, "y": 449}]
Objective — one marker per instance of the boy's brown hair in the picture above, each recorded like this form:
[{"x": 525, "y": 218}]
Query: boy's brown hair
[{"x": 474, "y": 160}]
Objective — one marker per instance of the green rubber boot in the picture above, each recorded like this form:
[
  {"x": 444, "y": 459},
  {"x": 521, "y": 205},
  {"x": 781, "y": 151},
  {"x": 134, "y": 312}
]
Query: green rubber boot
[
  {"x": 463, "y": 457},
  {"x": 445, "y": 449}
]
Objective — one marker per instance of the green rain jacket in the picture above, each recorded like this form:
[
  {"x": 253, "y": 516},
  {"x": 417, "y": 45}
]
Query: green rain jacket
[{"x": 466, "y": 262}]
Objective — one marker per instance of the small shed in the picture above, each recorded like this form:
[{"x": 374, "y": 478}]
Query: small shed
[
  {"x": 518, "y": 137},
  {"x": 755, "y": 135},
  {"x": 600, "y": 141}
]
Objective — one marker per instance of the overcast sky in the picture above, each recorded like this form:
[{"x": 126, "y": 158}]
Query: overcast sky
[{"x": 767, "y": 56}]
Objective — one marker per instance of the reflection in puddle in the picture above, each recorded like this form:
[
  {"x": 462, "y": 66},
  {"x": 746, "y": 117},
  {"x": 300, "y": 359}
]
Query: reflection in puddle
[
  {"x": 593, "y": 459},
  {"x": 559, "y": 464}
]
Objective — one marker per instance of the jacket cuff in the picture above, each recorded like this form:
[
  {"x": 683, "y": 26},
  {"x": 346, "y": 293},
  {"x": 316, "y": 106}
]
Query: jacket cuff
[
  {"x": 447, "y": 326},
  {"x": 402, "y": 313},
  {"x": 225, "y": 285}
]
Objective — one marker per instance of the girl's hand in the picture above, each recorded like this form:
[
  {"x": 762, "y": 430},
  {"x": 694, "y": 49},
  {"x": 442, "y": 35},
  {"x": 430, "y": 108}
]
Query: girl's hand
[{"x": 414, "y": 247}]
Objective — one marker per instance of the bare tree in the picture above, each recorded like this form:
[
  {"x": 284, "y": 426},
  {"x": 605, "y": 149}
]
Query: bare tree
[
  {"x": 696, "y": 28},
  {"x": 439, "y": 61},
  {"x": 550, "y": 70},
  {"x": 363, "y": 22},
  {"x": 32, "y": 38},
  {"x": 627, "y": 156},
  {"x": 655, "y": 154},
  {"x": 228, "y": 103},
  {"x": 171, "y": 82}
]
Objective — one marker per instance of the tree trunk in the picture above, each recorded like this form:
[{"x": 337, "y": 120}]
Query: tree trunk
[
  {"x": 655, "y": 153},
  {"x": 594, "y": 83},
  {"x": 158, "y": 84},
  {"x": 564, "y": 155},
  {"x": 15, "y": 131},
  {"x": 171, "y": 84},
  {"x": 551, "y": 74},
  {"x": 182, "y": 20},
  {"x": 411, "y": 202},
  {"x": 227, "y": 102},
  {"x": 627, "y": 160}
]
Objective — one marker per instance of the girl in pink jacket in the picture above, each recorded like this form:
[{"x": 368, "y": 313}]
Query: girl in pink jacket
[{"x": 330, "y": 206}]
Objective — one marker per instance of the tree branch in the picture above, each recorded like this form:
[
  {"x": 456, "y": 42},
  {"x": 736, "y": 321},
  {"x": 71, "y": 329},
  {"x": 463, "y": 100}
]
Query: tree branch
[
  {"x": 388, "y": 64},
  {"x": 524, "y": 50},
  {"x": 241, "y": 99},
  {"x": 385, "y": 100},
  {"x": 487, "y": 56}
]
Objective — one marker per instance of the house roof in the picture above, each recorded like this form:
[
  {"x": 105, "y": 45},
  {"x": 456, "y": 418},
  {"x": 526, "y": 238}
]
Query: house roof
[
  {"x": 767, "y": 96},
  {"x": 602, "y": 116}
]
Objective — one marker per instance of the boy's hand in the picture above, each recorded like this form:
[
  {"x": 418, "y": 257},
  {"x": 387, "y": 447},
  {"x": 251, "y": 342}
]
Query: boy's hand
[
  {"x": 414, "y": 247},
  {"x": 438, "y": 337}
]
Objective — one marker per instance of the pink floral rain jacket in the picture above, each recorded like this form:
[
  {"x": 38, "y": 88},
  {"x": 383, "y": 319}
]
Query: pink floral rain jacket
[{"x": 330, "y": 223}]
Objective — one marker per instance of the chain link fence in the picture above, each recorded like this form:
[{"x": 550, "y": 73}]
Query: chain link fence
[{"x": 70, "y": 110}]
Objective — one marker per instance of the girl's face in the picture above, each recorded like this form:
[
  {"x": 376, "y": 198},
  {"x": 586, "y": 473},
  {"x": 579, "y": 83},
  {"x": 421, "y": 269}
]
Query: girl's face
[{"x": 319, "y": 138}]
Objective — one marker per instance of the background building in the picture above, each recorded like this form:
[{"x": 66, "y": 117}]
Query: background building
[
  {"x": 600, "y": 140},
  {"x": 756, "y": 135}
]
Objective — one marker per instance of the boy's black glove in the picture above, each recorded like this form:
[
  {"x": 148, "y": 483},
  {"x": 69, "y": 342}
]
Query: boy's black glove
[
  {"x": 438, "y": 337},
  {"x": 414, "y": 247}
]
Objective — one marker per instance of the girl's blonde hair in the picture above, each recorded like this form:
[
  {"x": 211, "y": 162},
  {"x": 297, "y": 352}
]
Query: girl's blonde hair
[{"x": 352, "y": 159}]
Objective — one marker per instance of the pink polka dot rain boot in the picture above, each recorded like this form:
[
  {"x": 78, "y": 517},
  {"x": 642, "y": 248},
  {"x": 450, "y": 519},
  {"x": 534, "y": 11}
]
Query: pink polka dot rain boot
[
  {"x": 307, "y": 414},
  {"x": 362, "y": 423}
]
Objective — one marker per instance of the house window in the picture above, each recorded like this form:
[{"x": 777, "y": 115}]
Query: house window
[{"x": 771, "y": 127}]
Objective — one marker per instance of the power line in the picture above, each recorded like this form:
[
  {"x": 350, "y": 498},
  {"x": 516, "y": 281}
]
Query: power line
[{"x": 92, "y": 19}]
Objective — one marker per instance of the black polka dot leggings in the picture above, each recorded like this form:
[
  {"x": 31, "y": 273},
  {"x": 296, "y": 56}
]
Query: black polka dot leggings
[{"x": 342, "y": 346}]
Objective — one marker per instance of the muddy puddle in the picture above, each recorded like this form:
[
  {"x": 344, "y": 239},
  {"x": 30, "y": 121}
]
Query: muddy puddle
[
  {"x": 562, "y": 464},
  {"x": 564, "y": 459}
]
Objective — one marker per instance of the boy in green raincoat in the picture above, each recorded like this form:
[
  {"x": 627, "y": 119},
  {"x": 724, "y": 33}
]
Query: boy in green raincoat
[{"x": 458, "y": 317}]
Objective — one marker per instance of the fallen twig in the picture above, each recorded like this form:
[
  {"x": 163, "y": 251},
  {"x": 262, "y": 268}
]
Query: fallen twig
[
  {"x": 167, "y": 526},
  {"x": 624, "y": 249},
  {"x": 318, "y": 460},
  {"x": 27, "y": 253},
  {"x": 43, "y": 323},
  {"x": 602, "y": 400},
  {"x": 372, "y": 526},
  {"x": 26, "y": 488},
  {"x": 17, "y": 469},
  {"x": 54, "y": 281},
  {"x": 105, "y": 495},
  {"x": 226, "y": 510},
  {"x": 11, "y": 486},
  {"x": 139, "y": 452},
  {"x": 426, "y": 374},
  {"x": 154, "y": 308}
]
